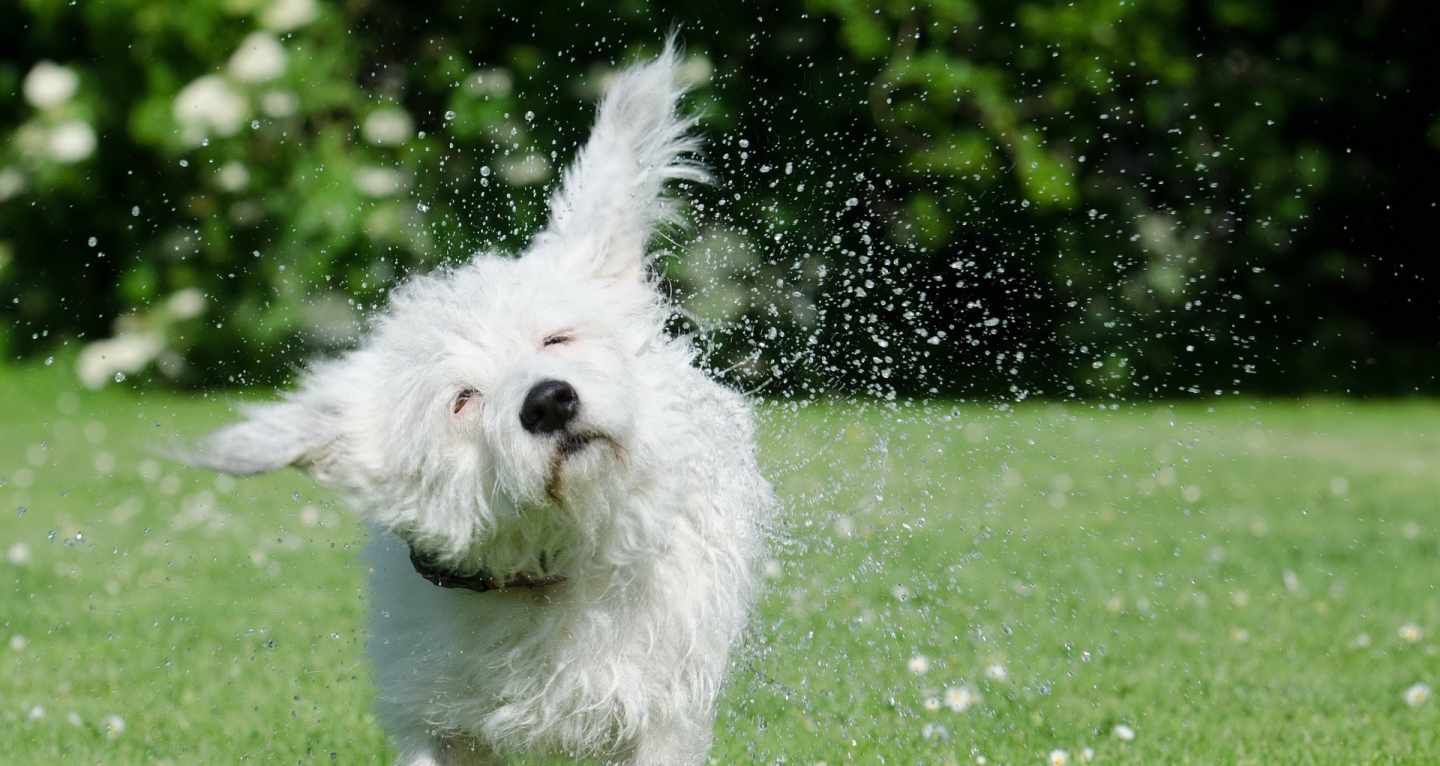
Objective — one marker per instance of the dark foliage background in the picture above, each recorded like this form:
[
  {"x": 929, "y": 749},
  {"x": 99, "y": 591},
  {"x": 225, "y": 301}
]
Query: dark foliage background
[{"x": 1098, "y": 199}]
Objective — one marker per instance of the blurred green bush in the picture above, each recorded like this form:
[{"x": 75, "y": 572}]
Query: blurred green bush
[{"x": 1091, "y": 198}]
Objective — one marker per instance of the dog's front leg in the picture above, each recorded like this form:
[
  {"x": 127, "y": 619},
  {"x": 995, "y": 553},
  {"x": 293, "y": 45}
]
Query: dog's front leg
[{"x": 673, "y": 743}]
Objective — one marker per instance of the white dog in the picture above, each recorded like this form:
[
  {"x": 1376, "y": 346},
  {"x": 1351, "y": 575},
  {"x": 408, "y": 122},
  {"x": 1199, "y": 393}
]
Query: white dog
[{"x": 565, "y": 511}]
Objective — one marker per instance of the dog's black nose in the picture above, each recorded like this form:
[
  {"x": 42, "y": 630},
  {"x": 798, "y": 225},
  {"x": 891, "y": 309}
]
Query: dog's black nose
[{"x": 549, "y": 406}]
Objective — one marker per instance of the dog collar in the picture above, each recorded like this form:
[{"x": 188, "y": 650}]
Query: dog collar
[{"x": 481, "y": 581}]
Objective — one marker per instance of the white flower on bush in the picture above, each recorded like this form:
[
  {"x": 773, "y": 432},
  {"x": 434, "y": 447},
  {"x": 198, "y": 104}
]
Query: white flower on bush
[
  {"x": 490, "y": 82},
  {"x": 695, "y": 70},
  {"x": 71, "y": 141},
  {"x": 125, "y": 353},
  {"x": 260, "y": 58},
  {"x": 49, "y": 85},
  {"x": 186, "y": 304},
  {"x": 210, "y": 105},
  {"x": 378, "y": 182},
  {"x": 279, "y": 103},
  {"x": 285, "y": 15},
  {"x": 390, "y": 126},
  {"x": 527, "y": 170},
  {"x": 12, "y": 182},
  {"x": 232, "y": 177}
]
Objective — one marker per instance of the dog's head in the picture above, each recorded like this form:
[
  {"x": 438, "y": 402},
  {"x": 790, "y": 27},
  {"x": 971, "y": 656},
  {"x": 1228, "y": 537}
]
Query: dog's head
[{"x": 489, "y": 397}]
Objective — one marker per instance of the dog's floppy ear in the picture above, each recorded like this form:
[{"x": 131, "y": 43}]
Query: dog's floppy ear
[
  {"x": 269, "y": 437},
  {"x": 304, "y": 430},
  {"x": 612, "y": 197}
]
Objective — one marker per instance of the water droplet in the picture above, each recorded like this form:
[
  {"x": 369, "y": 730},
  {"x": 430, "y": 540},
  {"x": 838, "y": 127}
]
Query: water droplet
[
  {"x": 529, "y": 116},
  {"x": 119, "y": 377},
  {"x": 449, "y": 116},
  {"x": 93, "y": 241},
  {"x": 49, "y": 360}
]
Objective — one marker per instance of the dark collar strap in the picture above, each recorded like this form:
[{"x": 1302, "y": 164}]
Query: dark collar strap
[{"x": 480, "y": 582}]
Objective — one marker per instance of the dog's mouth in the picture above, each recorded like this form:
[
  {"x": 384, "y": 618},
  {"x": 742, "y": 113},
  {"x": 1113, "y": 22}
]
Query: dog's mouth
[
  {"x": 574, "y": 443},
  {"x": 569, "y": 445}
]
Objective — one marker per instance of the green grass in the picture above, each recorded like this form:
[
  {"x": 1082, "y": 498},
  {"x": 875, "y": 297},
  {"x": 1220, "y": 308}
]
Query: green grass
[{"x": 1203, "y": 574}]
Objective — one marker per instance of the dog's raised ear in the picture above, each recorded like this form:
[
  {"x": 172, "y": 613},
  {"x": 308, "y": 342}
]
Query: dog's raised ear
[{"x": 612, "y": 197}]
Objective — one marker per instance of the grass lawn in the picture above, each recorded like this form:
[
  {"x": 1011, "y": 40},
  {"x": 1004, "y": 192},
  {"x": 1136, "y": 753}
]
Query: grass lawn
[{"x": 1239, "y": 583}]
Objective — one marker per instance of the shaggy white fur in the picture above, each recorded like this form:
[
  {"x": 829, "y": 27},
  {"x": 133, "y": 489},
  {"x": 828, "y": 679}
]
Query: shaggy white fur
[{"x": 654, "y": 523}]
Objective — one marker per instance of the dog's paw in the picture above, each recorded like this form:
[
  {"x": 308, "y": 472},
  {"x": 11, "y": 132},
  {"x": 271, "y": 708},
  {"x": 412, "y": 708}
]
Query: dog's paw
[{"x": 441, "y": 752}]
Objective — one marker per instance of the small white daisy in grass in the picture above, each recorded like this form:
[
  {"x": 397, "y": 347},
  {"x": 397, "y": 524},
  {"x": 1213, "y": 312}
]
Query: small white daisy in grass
[
  {"x": 961, "y": 698},
  {"x": 1418, "y": 695},
  {"x": 1411, "y": 632},
  {"x": 1123, "y": 733},
  {"x": 18, "y": 643},
  {"x": 36, "y": 712},
  {"x": 932, "y": 704},
  {"x": 919, "y": 665},
  {"x": 149, "y": 470},
  {"x": 18, "y": 554},
  {"x": 1291, "y": 580},
  {"x": 1339, "y": 486},
  {"x": 1058, "y": 758},
  {"x": 1087, "y": 754},
  {"x": 996, "y": 672},
  {"x": 113, "y": 726}
]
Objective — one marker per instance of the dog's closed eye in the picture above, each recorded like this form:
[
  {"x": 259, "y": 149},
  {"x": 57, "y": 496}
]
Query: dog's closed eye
[
  {"x": 463, "y": 398},
  {"x": 559, "y": 338}
]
